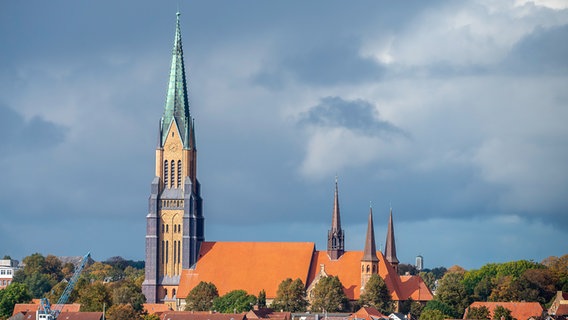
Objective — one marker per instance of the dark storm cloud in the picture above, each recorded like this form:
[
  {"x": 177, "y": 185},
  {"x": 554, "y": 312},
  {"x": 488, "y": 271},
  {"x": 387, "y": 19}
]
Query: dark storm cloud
[
  {"x": 358, "y": 115},
  {"x": 20, "y": 135},
  {"x": 543, "y": 51},
  {"x": 335, "y": 62}
]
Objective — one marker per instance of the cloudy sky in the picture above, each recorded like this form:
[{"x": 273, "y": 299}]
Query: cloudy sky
[{"x": 453, "y": 113}]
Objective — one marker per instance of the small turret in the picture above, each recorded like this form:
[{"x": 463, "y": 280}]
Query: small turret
[
  {"x": 370, "y": 261},
  {"x": 335, "y": 236},
  {"x": 390, "y": 246}
]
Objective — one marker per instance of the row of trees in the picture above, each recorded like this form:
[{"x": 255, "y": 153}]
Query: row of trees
[
  {"x": 114, "y": 284},
  {"x": 327, "y": 296},
  {"x": 499, "y": 282}
]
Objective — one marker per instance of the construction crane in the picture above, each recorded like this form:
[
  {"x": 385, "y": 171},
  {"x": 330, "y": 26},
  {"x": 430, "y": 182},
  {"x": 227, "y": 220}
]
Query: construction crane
[{"x": 45, "y": 312}]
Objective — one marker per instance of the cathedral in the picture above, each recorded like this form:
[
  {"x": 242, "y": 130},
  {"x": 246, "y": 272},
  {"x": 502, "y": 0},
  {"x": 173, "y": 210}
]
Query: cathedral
[{"x": 178, "y": 257}]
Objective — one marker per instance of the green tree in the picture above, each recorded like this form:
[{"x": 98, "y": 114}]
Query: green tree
[
  {"x": 126, "y": 292},
  {"x": 501, "y": 312},
  {"x": 93, "y": 297},
  {"x": 430, "y": 279},
  {"x": 442, "y": 307},
  {"x": 452, "y": 292},
  {"x": 290, "y": 296},
  {"x": 377, "y": 295},
  {"x": 432, "y": 315},
  {"x": 480, "y": 313},
  {"x": 328, "y": 296},
  {"x": 416, "y": 309},
  {"x": 39, "y": 284},
  {"x": 12, "y": 294},
  {"x": 502, "y": 289},
  {"x": 52, "y": 267},
  {"x": 483, "y": 289},
  {"x": 261, "y": 299},
  {"x": 201, "y": 297},
  {"x": 535, "y": 285},
  {"x": 150, "y": 317},
  {"x": 122, "y": 312},
  {"x": 235, "y": 301}
]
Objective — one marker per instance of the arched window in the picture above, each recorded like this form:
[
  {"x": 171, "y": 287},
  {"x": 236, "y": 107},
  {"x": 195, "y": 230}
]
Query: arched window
[
  {"x": 368, "y": 269},
  {"x": 173, "y": 293},
  {"x": 167, "y": 251},
  {"x": 165, "y": 173},
  {"x": 165, "y": 293},
  {"x": 172, "y": 170},
  {"x": 179, "y": 174},
  {"x": 167, "y": 228}
]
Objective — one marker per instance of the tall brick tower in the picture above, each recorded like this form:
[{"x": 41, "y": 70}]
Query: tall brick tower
[{"x": 174, "y": 224}]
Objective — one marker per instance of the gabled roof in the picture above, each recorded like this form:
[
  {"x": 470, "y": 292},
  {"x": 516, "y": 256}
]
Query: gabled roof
[
  {"x": 519, "y": 310},
  {"x": 368, "y": 313},
  {"x": 153, "y": 308},
  {"x": 32, "y": 307},
  {"x": 80, "y": 316},
  {"x": 562, "y": 310},
  {"x": 188, "y": 315},
  {"x": 250, "y": 266}
]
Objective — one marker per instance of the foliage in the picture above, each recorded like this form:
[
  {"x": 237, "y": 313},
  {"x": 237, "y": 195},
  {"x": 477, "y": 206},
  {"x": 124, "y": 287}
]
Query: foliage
[
  {"x": 501, "y": 312},
  {"x": 429, "y": 279},
  {"x": 412, "y": 307},
  {"x": 38, "y": 284},
  {"x": 483, "y": 289},
  {"x": 403, "y": 268},
  {"x": 93, "y": 297},
  {"x": 12, "y": 294},
  {"x": 235, "y": 301},
  {"x": 432, "y": 314},
  {"x": 442, "y": 307},
  {"x": 452, "y": 292},
  {"x": 261, "y": 302},
  {"x": 377, "y": 295},
  {"x": 150, "y": 317},
  {"x": 290, "y": 296},
  {"x": 39, "y": 274},
  {"x": 480, "y": 313},
  {"x": 328, "y": 296},
  {"x": 201, "y": 297},
  {"x": 127, "y": 292},
  {"x": 122, "y": 312}
]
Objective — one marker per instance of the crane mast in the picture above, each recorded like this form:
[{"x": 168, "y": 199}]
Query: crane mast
[{"x": 46, "y": 312}]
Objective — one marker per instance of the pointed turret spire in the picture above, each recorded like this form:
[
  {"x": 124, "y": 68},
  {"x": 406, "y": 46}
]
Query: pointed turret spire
[
  {"x": 335, "y": 240},
  {"x": 390, "y": 247},
  {"x": 177, "y": 105},
  {"x": 370, "y": 252}
]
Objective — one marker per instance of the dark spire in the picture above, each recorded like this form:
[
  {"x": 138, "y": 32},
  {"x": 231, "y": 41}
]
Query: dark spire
[
  {"x": 177, "y": 105},
  {"x": 335, "y": 240},
  {"x": 370, "y": 252},
  {"x": 390, "y": 247}
]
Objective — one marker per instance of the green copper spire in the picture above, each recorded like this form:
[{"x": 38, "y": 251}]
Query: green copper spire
[{"x": 177, "y": 105}]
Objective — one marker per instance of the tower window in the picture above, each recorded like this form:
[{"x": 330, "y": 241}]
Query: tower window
[
  {"x": 167, "y": 228},
  {"x": 179, "y": 251},
  {"x": 179, "y": 174},
  {"x": 167, "y": 251},
  {"x": 175, "y": 251},
  {"x": 172, "y": 170},
  {"x": 165, "y": 173}
]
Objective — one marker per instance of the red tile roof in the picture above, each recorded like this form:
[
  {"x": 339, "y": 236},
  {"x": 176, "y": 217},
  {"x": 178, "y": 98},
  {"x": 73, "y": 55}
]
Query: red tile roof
[
  {"x": 31, "y": 315},
  {"x": 250, "y": 266},
  {"x": 519, "y": 310},
  {"x": 153, "y": 308},
  {"x": 367, "y": 313},
  {"x": 254, "y": 266},
  {"x": 562, "y": 310},
  {"x": 27, "y": 307}
]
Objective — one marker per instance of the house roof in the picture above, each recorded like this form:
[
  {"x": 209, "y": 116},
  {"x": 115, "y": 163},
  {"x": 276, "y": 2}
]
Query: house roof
[
  {"x": 153, "y": 308},
  {"x": 367, "y": 313},
  {"x": 32, "y": 307},
  {"x": 188, "y": 315},
  {"x": 562, "y": 310},
  {"x": 250, "y": 266},
  {"x": 31, "y": 315},
  {"x": 519, "y": 310}
]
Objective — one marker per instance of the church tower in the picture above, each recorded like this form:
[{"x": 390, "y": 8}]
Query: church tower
[
  {"x": 335, "y": 240},
  {"x": 370, "y": 261},
  {"x": 390, "y": 246},
  {"x": 174, "y": 224}
]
